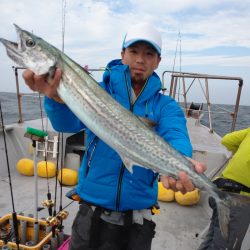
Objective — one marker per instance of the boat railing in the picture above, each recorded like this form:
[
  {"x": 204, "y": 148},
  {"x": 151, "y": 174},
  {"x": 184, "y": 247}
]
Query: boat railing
[
  {"x": 21, "y": 95},
  {"x": 182, "y": 82},
  {"x": 179, "y": 86}
]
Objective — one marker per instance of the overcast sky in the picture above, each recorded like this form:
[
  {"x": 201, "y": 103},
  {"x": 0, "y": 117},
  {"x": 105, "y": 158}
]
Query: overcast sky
[{"x": 215, "y": 35}]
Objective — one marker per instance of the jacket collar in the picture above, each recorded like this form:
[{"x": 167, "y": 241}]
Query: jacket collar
[{"x": 116, "y": 69}]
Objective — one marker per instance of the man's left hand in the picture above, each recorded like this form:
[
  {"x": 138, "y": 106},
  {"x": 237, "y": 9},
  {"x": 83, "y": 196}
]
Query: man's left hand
[{"x": 183, "y": 184}]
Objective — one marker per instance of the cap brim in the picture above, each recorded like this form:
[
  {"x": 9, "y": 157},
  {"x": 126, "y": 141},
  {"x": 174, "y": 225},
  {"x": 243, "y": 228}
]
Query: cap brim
[{"x": 131, "y": 42}]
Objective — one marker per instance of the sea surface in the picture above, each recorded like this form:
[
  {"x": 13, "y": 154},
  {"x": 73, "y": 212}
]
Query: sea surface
[{"x": 32, "y": 108}]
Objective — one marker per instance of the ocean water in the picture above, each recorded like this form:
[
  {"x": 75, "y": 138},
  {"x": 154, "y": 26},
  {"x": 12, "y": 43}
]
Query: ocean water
[{"x": 32, "y": 106}]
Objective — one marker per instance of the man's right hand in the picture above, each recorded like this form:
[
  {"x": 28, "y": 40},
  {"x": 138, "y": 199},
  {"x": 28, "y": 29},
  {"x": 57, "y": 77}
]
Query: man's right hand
[{"x": 42, "y": 84}]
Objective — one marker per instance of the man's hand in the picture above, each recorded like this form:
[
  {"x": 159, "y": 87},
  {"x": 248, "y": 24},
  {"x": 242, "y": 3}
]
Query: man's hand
[
  {"x": 183, "y": 184},
  {"x": 41, "y": 83}
]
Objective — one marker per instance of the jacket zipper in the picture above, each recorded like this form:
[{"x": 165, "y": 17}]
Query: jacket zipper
[
  {"x": 118, "y": 196},
  {"x": 132, "y": 105},
  {"x": 91, "y": 155}
]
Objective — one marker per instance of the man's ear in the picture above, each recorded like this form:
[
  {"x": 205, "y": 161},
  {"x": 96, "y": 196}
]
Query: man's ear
[
  {"x": 122, "y": 55},
  {"x": 158, "y": 62}
]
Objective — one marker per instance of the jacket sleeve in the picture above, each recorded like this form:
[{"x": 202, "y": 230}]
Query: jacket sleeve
[
  {"x": 61, "y": 117},
  {"x": 172, "y": 127},
  {"x": 233, "y": 140}
]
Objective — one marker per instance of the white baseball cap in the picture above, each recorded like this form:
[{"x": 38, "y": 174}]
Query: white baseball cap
[{"x": 143, "y": 32}]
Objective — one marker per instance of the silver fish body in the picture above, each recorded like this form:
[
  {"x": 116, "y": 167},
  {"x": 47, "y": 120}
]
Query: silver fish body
[{"x": 119, "y": 128}]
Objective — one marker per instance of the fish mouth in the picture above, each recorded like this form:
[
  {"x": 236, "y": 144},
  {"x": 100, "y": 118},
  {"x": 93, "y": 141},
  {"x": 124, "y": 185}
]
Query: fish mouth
[
  {"x": 12, "y": 46},
  {"x": 14, "y": 50}
]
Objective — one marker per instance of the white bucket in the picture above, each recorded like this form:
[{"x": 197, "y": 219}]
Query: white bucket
[{"x": 72, "y": 161}]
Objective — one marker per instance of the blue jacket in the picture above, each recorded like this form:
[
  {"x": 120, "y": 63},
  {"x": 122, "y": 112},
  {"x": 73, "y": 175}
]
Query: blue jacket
[{"x": 103, "y": 180}]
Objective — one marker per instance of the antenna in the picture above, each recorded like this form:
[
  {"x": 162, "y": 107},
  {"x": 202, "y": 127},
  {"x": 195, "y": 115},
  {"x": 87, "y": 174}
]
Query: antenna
[
  {"x": 63, "y": 22},
  {"x": 178, "y": 45}
]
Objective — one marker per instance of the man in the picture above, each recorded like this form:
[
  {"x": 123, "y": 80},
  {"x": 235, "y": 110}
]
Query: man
[
  {"x": 235, "y": 178},
  {"x": 115, "y": 208}
]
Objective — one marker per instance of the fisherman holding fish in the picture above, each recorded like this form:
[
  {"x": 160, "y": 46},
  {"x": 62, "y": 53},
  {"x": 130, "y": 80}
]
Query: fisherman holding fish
[{"x": 115, "y": 210}]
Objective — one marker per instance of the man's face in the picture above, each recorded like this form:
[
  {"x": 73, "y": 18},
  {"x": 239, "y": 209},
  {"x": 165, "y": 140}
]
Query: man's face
[{"x": 142, "y": 59}]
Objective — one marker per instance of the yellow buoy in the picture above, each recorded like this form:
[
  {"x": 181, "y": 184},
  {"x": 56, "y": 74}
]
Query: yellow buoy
[
  {"x": 189, "y": 198},
  {"x": 25, "y": 166},
  {"x": 69, "y": 177},
  {"x": 165, "y": 194},
  {"x": 46, "y": 169}
]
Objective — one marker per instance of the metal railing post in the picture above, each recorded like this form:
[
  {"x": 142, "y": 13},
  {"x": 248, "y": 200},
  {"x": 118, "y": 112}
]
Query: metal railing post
[{"x": 18, "y": 96}]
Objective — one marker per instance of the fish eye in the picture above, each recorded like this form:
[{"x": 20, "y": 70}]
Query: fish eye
[{"x": 30, "y": 43}]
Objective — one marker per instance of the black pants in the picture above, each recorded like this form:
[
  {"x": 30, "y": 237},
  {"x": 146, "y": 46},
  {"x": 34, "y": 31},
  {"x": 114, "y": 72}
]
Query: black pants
[
  {"x": 109, "y": 236},
  {"x": 238, "y": 225}
]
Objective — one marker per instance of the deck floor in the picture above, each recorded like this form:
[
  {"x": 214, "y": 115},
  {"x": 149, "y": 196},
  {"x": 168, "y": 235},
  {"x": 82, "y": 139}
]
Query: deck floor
[{"x": 177, "y": 226}]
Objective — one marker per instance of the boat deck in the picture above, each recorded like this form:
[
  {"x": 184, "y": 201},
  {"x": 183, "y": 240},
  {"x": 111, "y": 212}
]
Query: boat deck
[{"x": 178, "y": 227}]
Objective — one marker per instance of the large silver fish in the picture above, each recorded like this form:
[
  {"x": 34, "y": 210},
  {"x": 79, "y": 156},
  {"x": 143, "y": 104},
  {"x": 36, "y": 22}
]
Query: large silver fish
[{"x": 119, "y": 128}]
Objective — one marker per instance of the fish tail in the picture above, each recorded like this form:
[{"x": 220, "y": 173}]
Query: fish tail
[
  {"x": 224, "y": 201},
  {"x": 223, "y": 210}
]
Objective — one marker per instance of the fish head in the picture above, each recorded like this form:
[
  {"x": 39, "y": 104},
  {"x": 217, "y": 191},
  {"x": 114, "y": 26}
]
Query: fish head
[{"x": 31, "y": 52}]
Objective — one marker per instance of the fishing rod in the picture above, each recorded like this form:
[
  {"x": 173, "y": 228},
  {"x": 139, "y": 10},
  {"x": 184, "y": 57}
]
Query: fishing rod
[
  {"x": 53, "y": 220},
  {"x": 58, "y": 217},
  {"x": 36, "y": 136},
  {"x": 14, "y": 216},
  {"x": 48, "y": 203}
]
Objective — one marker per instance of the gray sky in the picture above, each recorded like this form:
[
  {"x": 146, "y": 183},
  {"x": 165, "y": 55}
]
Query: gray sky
[{"x": 215, "y": 35}]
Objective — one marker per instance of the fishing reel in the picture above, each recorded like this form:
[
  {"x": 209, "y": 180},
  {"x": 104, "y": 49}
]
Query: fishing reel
[
  {"x": 56, "y": 220},
  {"x": 5, "y": 234},
  {"x": 48, "y": 203}
]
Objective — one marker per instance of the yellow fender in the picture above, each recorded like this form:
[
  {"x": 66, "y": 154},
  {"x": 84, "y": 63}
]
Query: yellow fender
[
  {"x": 189, "y": 198},
  {"x": 46, "y": 170},
  {"x": 165, "y": 194},
  {"x": 69, "y": 177},
  {"x": 25, "y": 166}
]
